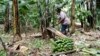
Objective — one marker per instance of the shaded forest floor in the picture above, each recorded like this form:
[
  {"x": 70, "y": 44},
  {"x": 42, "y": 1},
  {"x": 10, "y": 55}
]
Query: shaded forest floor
[{"x": 86, "y": 44}]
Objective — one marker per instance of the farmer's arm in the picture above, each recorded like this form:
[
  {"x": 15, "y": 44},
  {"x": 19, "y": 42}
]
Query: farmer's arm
[{"x": 60, "y": 20}]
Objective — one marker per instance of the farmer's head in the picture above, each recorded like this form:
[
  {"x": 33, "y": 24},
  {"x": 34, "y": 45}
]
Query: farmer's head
[{"x": 58, "y": 10}]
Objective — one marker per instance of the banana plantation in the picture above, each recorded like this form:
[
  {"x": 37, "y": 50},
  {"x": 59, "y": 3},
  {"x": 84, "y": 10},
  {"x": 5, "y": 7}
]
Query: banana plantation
[{"x": 49, "y": 28}]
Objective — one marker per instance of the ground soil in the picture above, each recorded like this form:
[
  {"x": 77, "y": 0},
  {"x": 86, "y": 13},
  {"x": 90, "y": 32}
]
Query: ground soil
[{"x": 45, "y": 49}]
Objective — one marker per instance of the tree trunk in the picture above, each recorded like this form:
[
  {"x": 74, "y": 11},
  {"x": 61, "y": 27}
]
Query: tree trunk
[
  {"x": 45, "y": 19},
  {"x": 48, "y": 19},
  {"x": 81, "y": 23},
  {"x": 89, "y": 18},
  {"x": 73, "y": 17},
  {"x": 91, "y": 6},
  {"x": 41, "y": 19},
  {"x": 94, "y": 14},
  {"x": 16, "y": 24},
  {"x": 6, "y": 20}
]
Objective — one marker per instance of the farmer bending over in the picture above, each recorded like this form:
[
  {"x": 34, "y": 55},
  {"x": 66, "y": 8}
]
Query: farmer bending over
[{"x": 63, "y": 20}]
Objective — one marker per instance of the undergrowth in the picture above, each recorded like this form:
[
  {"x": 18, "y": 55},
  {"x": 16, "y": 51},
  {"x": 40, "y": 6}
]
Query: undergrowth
[{"x": 2, "y": 53}]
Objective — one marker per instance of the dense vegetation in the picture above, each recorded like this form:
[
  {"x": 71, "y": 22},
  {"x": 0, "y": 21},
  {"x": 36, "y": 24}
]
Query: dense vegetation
[{"x": 34, "y": 25}]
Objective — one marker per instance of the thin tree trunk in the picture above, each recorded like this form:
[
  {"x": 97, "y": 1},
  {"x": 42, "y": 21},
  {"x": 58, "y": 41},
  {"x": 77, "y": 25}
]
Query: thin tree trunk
[
  {"x": 91, "y": 17},
  {"x": 94, "y": 14},
  {"x": 41, "y": 18},
  {"x": 91, "y": 6},
  {"x": 44, "y": 20},
  {"x": 48, "y": 19},
  {"x": 6, "y": 20},
  {"x": 73, "y": 17},
  {"x": 10, "y": 15},
  {"x": 16, "y": 24},
  {"x": 53, "y": 17}
]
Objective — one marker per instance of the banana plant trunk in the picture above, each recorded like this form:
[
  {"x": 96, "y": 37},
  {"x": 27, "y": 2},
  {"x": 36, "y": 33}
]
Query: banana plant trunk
[{"x": 16, "y": 24}]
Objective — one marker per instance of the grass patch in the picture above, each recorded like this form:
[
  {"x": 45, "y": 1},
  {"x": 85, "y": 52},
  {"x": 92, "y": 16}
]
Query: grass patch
[
  {"x": 39, "y": 43},
  {"x": 2, "y": 53}
]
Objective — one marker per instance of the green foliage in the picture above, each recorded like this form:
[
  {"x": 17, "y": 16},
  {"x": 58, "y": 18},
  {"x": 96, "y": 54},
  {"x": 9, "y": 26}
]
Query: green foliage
[
  {"x": 91, "y": 51},
  {"x": 2, "y": 53},
  {"x": 2, "y": 9},
  {"x": 63, "y": 44},
  {"x": 59, "y": 1},
  {"x": 28, "y": 10},
  {"x": 28, "y": 13},
  {"x": 81, "y": 13},
  {"x": 32, "y": 2},
  {"x": 98, "y": 16}
]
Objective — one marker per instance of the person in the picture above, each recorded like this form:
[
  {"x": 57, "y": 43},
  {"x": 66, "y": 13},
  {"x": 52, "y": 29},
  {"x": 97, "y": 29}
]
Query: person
[{"x": 63, "y": 20}]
